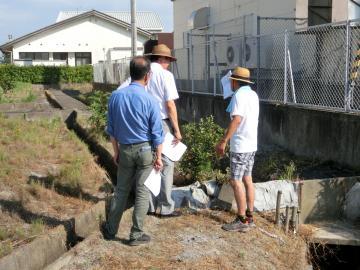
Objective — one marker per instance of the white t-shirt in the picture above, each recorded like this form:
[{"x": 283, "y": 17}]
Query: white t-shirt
[
  {"x": 161, "y": 86},
  {"x": 246, "y": 105}
]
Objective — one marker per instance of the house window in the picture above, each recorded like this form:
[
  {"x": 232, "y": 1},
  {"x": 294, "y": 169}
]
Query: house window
[
  {"x": 60, "y": 55},
  {"x": 83, "y": 58},
  {"x": 42, "y": 56}
]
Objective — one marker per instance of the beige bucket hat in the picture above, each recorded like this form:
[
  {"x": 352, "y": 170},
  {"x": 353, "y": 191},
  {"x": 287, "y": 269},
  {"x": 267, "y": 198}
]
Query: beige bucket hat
[
  {"x": 241, "y": 74},
  {"x": 162, "y": 50}
]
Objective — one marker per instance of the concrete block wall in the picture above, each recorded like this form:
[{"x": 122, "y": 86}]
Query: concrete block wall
[{"x": 305, "y": 132}]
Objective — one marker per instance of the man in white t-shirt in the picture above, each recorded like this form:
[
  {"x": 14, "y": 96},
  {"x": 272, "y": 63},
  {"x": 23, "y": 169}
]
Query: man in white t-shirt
[
  {"x": 163, "y": 88},
  {"x": 242, "y": 134}
]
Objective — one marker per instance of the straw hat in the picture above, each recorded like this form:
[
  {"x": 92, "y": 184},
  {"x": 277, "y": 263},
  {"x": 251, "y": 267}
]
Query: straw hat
[
  {"x": 241, "y": 74},
  {"x": 161, "y": 50}
]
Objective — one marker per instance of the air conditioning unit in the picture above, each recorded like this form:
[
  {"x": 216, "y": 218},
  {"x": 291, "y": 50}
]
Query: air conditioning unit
[
  {"x": 251, "y": 52},
  {"x": 234, "y": 53},
  {"x": 240, "y": 54}
]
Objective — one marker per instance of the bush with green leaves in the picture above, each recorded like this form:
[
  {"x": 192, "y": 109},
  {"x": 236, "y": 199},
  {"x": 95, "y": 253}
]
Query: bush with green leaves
[
  {"x": 200, "y": 160},
  {"x": 9, "y": 74},
  {"x": 98, "y": 106}
]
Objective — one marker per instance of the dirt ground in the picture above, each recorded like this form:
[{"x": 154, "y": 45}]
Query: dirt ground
[{"x": 193, "y": 241}]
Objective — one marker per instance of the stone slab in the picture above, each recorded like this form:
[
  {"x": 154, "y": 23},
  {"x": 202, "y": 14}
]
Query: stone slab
[{"x": 338, "y": 233}]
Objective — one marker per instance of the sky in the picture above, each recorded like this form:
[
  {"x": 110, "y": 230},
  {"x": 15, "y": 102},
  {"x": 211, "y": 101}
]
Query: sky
[{"x": 20, "y": 17}]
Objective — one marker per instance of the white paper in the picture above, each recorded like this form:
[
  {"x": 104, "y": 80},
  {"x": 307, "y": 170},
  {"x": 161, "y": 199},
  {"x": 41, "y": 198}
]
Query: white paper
[
  {"x": 226, "y": 85},
  {"x": 172, "y": 151},
  {"x": 153, "y": 182}
]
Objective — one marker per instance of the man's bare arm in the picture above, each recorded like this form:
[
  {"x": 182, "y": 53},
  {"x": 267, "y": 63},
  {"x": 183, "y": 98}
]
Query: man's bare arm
[
  {"x": 171, "y": 109},
  {"x": 158, "y": 161}
]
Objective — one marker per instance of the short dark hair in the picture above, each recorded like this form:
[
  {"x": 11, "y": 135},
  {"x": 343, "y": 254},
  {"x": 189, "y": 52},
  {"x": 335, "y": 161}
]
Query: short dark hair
[
  {"x": 154, "y": 58},
  {"x": 139, "y": 67}
]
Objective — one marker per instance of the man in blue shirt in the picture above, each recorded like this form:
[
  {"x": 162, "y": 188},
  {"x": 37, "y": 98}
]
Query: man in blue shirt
[{"x": 135, "y": 129}]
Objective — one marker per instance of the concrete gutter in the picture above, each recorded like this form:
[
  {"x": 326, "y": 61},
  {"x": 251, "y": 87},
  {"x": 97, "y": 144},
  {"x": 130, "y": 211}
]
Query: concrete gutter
[{"x": 47, "y": 248}]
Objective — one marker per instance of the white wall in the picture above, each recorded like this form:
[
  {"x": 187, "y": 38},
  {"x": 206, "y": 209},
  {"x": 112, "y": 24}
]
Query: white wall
[
  {"x": 92, "y": 34},
  {"x": 223, "y": 10}
]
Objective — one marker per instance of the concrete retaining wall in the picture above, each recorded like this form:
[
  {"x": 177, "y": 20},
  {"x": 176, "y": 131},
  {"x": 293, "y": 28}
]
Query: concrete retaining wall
[
  {"x": 305, "y": 132},
  {"x": 323, "y": 199}
]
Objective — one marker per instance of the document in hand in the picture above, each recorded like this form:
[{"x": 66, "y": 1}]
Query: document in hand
[
  {"x": 225, "y": 82},
  {"x": 172, "y": 151},
  {"x": 153, "y": 182}
]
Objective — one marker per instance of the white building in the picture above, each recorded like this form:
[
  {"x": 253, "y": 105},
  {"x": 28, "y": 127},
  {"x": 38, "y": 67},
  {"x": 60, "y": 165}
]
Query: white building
[
  {"x": 190, "y": 15},
  {"x": 79, "y": 38}
]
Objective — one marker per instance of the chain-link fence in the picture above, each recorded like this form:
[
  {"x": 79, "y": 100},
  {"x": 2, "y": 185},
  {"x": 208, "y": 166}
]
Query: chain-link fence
[
  {"x": 114, "y": 72},
  {"x": 314, "y": 66}
]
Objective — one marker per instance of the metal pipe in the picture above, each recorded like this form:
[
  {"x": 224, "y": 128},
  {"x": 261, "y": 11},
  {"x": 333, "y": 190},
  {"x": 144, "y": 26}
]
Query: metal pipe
[
  {"x": 347, "y": 63},
  {"x": 285, "y": 66},
  {"x": 258, "y": 55},
  {"x": 291, "y": 78},
  {"x": 192, "y": 62},
  {"x": 133, "y": 29}
]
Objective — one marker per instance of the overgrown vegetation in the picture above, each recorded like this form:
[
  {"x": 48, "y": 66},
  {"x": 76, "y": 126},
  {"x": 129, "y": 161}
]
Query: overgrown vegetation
[
  {"x": 200, "y": 160},
  {"x": 20, "y": 93},
  {"x": 10, "y": 74},
  {"x": 98, "y": 101}
]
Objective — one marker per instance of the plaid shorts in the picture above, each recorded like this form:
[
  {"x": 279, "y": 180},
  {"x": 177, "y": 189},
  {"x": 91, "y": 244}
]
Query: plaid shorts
[{"x": 241, "y": 164}]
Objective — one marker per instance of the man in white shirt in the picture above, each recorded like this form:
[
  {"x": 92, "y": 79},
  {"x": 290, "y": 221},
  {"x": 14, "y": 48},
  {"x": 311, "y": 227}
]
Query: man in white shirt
[
  {"x": 163, "y": 88},
  {"x": 242, "y": 133}
]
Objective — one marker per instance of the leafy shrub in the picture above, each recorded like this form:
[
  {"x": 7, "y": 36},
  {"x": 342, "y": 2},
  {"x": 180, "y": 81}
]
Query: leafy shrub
[
  {"x": 98, "y": 107},
  {"x": 9, "y": 74},
  {"x": 200, "y": 160}
]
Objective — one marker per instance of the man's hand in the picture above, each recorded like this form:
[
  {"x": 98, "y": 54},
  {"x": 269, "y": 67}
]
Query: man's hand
[
  {"x": 116, "y": 158},
  {"x": 177, "y": 138},
  {"x": 158, "y": 164},
  {"x": 220, "y": 148}
]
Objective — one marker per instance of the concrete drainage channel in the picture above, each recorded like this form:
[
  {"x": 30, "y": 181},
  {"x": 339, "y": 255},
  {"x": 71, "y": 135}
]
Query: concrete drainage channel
[{"x": 47, "y": 248}]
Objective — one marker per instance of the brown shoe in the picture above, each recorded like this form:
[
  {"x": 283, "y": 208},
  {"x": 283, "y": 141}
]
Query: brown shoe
[{"x": 172, "y": 215}]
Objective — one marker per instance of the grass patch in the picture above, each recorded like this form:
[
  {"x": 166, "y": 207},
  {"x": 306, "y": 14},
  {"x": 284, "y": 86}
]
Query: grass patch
[
  {"x": 45, "y": 148},
  {"x": 5, "y": 249},
  {"x": 35, "y": 145},
  {"x": 37, "y": 227},
  {"x": 21, "y": 93}
]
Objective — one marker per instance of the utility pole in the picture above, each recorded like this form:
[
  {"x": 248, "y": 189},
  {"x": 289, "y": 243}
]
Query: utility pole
[{"x": 133, "y": 29}]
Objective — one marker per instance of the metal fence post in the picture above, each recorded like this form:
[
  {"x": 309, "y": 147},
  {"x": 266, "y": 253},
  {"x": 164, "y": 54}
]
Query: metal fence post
[
  {"x": 347, "y": 67},
  {"x": 285, "y": 65},
  {"x": 216, "y": 72},
  {"x": 258, "y": 55},
  {"x": 192, "y": 62},
  {"x": 188, "y": 57}
]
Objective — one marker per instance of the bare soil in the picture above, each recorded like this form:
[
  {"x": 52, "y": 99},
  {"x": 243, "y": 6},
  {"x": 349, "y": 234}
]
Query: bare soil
[{"x": 193, "y": 241}]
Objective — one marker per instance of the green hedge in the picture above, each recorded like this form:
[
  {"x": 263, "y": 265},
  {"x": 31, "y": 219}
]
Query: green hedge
[{"x": 44, "y": 75}]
